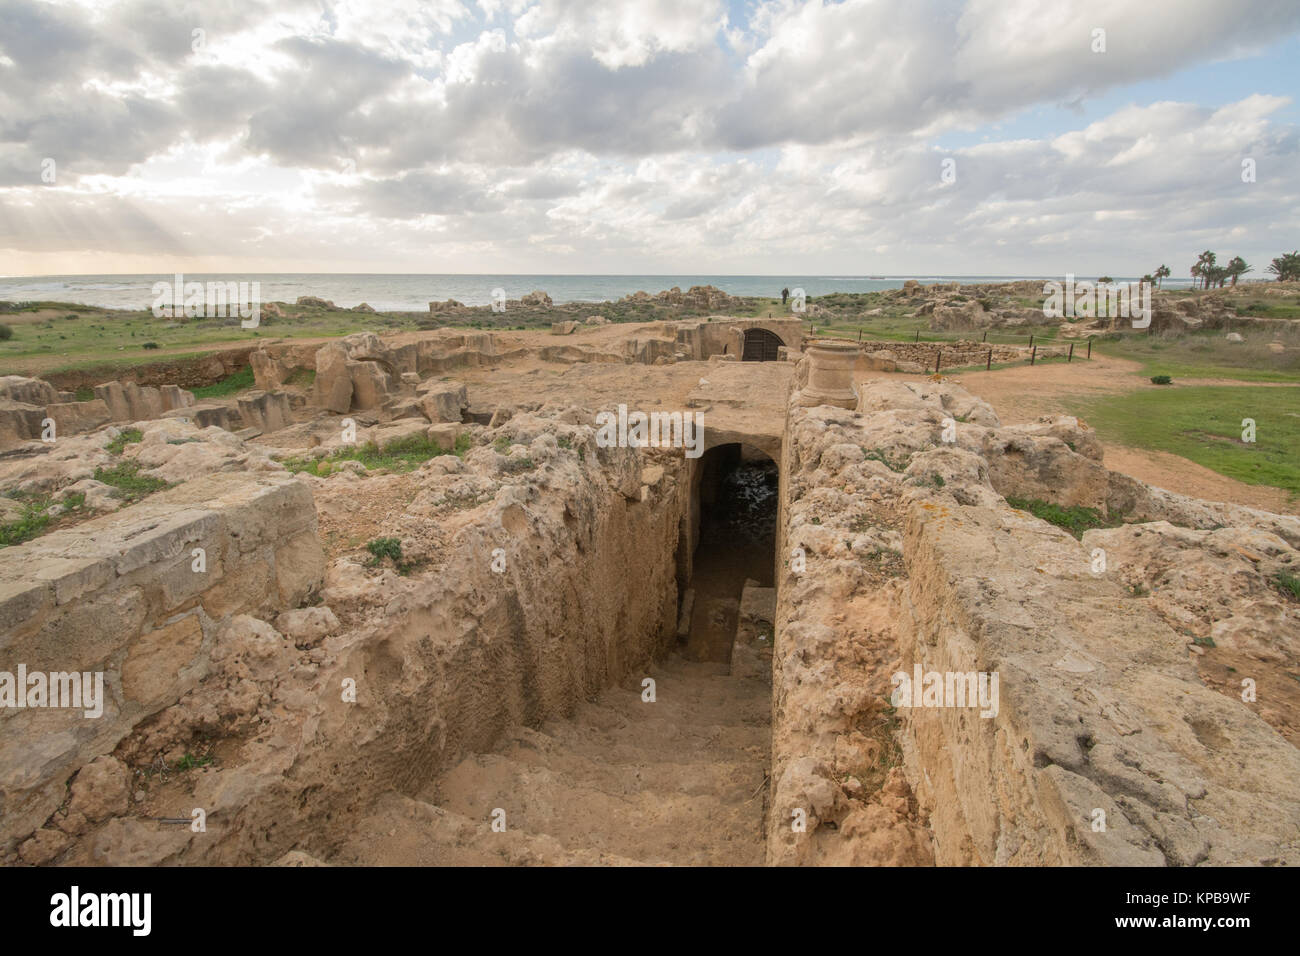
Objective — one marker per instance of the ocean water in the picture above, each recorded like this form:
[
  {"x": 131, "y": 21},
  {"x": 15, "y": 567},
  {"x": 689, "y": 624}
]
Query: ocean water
[{"x": 413, "y": 293}]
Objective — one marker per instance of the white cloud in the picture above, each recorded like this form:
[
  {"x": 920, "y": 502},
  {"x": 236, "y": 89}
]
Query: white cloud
[{"x": 627, "y": 135}]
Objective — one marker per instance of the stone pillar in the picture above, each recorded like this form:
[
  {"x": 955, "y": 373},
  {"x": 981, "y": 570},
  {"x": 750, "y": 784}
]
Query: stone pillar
[{"x": 830, "y": 375}]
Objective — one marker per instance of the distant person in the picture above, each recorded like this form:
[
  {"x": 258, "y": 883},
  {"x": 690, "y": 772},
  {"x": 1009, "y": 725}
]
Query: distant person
[{"x": 785, "y": 294}]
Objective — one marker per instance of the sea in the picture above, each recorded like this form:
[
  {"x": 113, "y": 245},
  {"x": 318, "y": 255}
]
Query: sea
[{"x": 413, "y": 293}]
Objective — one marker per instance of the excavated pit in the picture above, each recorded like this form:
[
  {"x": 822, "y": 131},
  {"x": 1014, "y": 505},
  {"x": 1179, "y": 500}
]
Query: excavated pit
[
  {"x": 669, "y": 764},
  {"x": 609, "y": 655},
  {"x": 736, "y": 490}
]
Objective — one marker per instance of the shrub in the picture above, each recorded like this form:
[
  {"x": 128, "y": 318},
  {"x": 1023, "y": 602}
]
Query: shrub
[
  {"x": 6, "y": 333},
  {"x": 150, "y": 345},
  {"x": 390, "y": 548},
  {"x": 1161, "y": 380}
]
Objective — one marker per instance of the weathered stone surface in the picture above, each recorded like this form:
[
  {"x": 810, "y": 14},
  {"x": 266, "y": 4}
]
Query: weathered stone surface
[
  {"x": 99, "y": 596},
  {"x": 333, "y": 385},
  {"x": 28, "y": 391},
  {"x": 156, "y": 663},
  {"x": 266, "y": 411},
  {"x": 1100, "y": 707},
  {"x": 173, "y": 397},
  {"x": 19, "y": 423},
  {"x": 371, "y": 384},
  {"x": 71, "y": 418},
  {"x": 444, "y": 401}
]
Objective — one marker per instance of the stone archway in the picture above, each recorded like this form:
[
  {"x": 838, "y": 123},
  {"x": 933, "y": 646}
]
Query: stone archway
[{"x": 761, "y": 346}]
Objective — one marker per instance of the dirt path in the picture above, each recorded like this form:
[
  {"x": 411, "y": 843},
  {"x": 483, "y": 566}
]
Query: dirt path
[{"x": 679, "y": 780}]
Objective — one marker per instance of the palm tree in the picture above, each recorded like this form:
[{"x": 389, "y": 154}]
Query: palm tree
[
  {"x": 1160, "y": 275},
  {"x": 1204, "y": 263},
  {"x": 1237, "y": 267},
  {"x": 1286, "y": 266}
]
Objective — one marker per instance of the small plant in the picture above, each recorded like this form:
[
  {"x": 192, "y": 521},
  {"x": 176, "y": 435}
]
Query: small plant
[
  {"x": 875, "y": 454},
  {"x": 381, "y": 548},
  {"x": 1289, "y": 584},
  {"x": 150, "y": 345},
  {"x": 127, "y": 482},
  {"x": 514, "y": 466},
  {"x": 1205, "y": 641},
  {"x": 125, "y": 437},
  {"x": 565, "y": 442},
  {"x": 1161, "y": 380},
  {"x": 1075, "y": 519},
  {"x": 191, "y": 762},
  {"x": 28, "y": 525},
  {"x": 502, "y": 444},
  {"x": 6, "y": 333}
]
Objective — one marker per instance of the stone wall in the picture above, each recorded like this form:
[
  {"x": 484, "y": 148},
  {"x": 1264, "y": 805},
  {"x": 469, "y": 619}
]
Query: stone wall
[
  {"x": 723, "y": 335},
  {"x": 1104, "y": 746},
  {"x": 121, "y": 595}
]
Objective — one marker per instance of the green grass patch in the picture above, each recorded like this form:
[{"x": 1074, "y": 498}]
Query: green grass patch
[
  {"x": 1075, "y": 519},
  {"x": 125, "y": 437},
  {"x": 127, "y": 481},
  {"x": 301, "y": 378},
  {"x": 1289, "y": 584},
  {"x": 232, "y": 383},
  {"x": 405, "y": 454},
  {"x": 36, "y": 517},
  {"x": 1204, "y": 425},
  {"x": 28, "y": 525},
  {"x": 1207, "y": 355}
]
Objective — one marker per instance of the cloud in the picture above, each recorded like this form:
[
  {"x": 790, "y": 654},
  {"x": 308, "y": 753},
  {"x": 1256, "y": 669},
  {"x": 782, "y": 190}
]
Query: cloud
[{"x": 625, "y": 133}]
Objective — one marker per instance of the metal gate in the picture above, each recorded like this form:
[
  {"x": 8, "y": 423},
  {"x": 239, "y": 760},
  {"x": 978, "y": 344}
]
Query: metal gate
[{"x": 761, "y": 346}]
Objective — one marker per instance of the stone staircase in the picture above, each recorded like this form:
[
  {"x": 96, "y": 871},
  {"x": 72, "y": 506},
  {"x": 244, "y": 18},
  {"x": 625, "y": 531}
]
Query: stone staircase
[{"x": 677, "y": 781}]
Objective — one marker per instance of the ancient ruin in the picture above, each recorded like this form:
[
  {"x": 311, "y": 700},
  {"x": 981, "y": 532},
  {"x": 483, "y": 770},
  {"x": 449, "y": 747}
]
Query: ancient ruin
[{"x": 401, "y": 602}]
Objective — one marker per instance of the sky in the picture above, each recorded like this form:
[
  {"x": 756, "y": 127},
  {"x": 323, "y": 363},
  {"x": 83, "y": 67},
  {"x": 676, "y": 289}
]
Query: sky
[{"x": 932, "y": 137}]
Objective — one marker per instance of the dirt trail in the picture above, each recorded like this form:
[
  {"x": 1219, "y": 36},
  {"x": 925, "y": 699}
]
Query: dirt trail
[{"x": 676, "y": 781}]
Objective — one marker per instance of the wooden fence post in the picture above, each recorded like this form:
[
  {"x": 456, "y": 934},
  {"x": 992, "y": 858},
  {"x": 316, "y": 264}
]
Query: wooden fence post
[
  {"x": 1033, "y": 355},
  {"x": 1070, "y": 357}
]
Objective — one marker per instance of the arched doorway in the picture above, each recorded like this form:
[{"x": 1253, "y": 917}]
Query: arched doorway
[{"x": 761, "y": 346}]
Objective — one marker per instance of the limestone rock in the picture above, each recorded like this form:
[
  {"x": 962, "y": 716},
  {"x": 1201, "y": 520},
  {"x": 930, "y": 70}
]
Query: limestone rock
[{"x": 444, "y": 401}]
